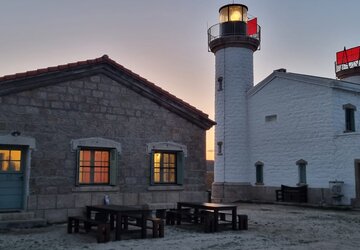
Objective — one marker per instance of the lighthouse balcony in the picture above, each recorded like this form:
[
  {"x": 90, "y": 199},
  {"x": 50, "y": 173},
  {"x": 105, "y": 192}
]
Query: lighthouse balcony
[
  {"x": 347, "y": 63},
  {"x": 234, "y": 33}
]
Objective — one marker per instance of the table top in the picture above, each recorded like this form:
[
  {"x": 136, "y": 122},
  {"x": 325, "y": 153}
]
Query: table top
[{"x": 208, "y": 205}]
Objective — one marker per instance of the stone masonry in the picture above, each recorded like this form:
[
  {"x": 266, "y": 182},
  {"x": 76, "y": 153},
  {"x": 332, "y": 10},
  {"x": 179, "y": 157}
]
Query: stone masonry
[{"x": 98, "y": 106}]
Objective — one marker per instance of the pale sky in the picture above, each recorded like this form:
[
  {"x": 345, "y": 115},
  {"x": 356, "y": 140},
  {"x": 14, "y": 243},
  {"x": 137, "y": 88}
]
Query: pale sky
[{"x": 165, "y": 41}]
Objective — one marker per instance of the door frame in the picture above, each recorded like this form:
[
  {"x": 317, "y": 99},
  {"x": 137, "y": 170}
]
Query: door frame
[{"x": 27, "y": 145}]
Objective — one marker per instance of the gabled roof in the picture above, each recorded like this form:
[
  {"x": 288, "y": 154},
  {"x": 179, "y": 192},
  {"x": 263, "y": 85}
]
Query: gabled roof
[
  {"x": 316, "y": 80},
  {"x": 103, "y": 65}
]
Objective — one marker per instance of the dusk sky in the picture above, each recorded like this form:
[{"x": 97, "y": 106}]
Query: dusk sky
[{"x": 165, "y": 41}]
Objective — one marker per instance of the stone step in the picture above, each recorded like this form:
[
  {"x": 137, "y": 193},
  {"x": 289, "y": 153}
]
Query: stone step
[
  {"x": 29, "y": 223},
  {"x": 16, "y": 216}
]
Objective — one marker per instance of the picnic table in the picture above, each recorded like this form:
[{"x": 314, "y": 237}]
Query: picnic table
[
  {"x": 212, "y": 207},
  {"x": 120, "y": 211}
]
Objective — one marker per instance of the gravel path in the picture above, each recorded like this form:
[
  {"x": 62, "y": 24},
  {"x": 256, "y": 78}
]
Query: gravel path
[{"x": 270, "y": 227}]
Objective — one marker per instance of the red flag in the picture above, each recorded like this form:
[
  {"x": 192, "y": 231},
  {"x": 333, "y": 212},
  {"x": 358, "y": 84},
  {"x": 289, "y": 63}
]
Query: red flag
[
  {"x": 252, "y": 26},
  {"x": 346, "y": 56}
]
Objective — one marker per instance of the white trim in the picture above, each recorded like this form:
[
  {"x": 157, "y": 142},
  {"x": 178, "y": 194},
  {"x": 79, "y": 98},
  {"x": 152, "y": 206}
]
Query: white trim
[
  {"x": 18, "y": 140},
  {"x": 95, "y": 189},
  {"x": 95, "y": 142},
  {"x": 170, "y": 146},
  {"x": 165, "y": 188}
]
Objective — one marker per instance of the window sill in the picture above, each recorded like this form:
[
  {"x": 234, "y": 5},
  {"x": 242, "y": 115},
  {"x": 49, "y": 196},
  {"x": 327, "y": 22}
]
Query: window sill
[
  {"x": 355, "y": 133},
  {"x": 95, "y": 189},
  {"x": 165, "y": 188},
  {"x": 259, "y": 184}
]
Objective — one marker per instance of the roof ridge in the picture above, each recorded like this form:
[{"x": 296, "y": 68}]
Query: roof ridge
[
  {"x": 103, "y": 59},
  {"x": 52, "y": 68}
]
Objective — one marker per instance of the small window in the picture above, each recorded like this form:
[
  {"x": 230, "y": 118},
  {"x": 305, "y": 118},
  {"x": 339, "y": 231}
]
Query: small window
[
  {"x": 166, "y": 163},
  {"x": 166, "y": 167},
  {"x": 220, "y": 83},
  {"x": 302, "y": 171},
  {"x": 10, "y": 160},
  {"x": 94, "y": 166},
  {"x": 270, "y": 118},
  {"x": 349, "y": 117},
  {"x": 219, "y": 148},
  {"x": 259, "y": 173},
  {"x": 97, "y": 161}
]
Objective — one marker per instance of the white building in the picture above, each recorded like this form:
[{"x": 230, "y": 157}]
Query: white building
[{"x": 290, "y": 129}]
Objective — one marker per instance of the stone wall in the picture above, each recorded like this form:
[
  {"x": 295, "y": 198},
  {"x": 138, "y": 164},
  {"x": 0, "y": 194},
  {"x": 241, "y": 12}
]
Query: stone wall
[{"x": 98, "y": 107}]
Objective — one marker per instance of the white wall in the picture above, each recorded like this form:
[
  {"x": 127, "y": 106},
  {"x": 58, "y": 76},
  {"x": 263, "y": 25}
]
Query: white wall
[
  {"x": 347, "y": 144},
  {"x": 235, "y": 66},
  {"x": 302, "y": 130},
  {"x": 310, "y": 124}
]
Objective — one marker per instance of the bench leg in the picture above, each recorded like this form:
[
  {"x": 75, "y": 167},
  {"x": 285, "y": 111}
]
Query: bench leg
[
  {"x": 125, "y": 222},
  {"x": 155, "y": 229},
  {"x": 103, "y": 233},
  {"x": 76, "y": 228},
  {"x": 243, "y": 222},
  {"x": 161, "y": 229},
  {"x": 70, "y": 225},
  {"x": 112, "y": 222},
  {"x": 208, "y": 222},
  {"x": 170, "y": 219},
  {"x": 87, "y": 226}
]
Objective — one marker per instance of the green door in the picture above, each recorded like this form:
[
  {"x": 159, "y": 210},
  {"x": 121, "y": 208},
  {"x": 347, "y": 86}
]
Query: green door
[{"x": 11, "y": 178}]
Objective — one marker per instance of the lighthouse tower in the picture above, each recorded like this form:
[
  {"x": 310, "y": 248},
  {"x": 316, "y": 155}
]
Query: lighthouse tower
[{"x": 233, "y": 41}]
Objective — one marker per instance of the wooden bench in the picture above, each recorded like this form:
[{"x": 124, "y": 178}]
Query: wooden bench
[
  {"x": 292, "y": 194},
  {"x": 157, "y": 224},
  {"x": 173, "y": 214},
  {"x": 242, "y": 220},
  {"x": 187, "y": 215},
  {"x": 103, "y": 228}
]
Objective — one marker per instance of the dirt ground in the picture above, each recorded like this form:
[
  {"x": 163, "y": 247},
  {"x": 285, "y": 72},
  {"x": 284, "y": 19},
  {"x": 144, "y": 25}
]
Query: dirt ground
[{"x": 270, "y": 227}]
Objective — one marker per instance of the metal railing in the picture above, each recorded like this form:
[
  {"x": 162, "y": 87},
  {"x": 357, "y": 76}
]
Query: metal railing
[
  {"x": 345, "y": 66},
  {"x": 214, "y": 33}
]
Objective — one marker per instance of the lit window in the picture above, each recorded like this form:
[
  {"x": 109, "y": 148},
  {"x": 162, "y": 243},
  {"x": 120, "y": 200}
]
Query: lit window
[
  {"x": 97, "y": 161},
  {"x": 164, "y": 167},
  {"x": 94, "y": 166},
  {"x": 10, "y": 160},
  {"x": 349, "y": 117},
  {"x": 233, "y": 12},
  {"x": 167, "y": 167},
  {"x": 166, "y": 163}
]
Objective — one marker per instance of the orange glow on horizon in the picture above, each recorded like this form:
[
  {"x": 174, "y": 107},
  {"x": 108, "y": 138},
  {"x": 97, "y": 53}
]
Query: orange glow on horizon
[{"x": 210, "y": 137}]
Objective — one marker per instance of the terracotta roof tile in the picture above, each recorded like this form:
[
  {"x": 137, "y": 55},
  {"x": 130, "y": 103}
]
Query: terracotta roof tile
[{"x": 103, "y": 59}]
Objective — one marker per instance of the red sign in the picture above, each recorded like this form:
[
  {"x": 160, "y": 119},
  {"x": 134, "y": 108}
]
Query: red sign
[
  {"x": 348, "y": 55},
  {"x": 252, "y": 26}
]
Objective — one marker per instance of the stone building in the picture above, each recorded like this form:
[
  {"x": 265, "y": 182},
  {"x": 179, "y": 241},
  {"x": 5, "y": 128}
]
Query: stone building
[
  {"x": 289, "y": 129},
  {"x": 71, "y": 134}
]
